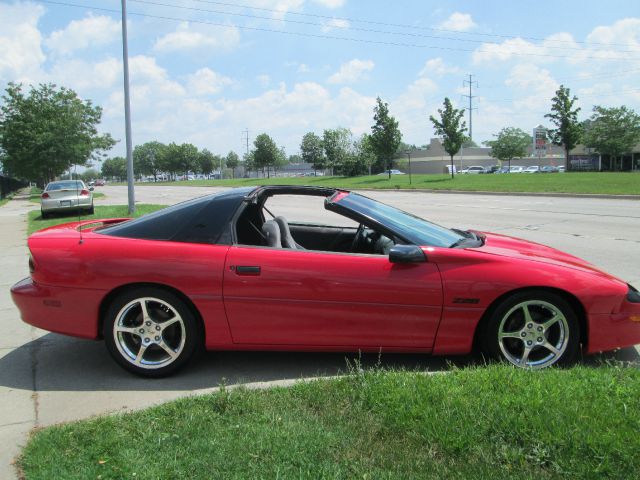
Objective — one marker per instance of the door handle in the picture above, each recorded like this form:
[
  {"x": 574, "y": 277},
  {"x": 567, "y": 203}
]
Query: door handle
[{"x": 248, "y": 270}]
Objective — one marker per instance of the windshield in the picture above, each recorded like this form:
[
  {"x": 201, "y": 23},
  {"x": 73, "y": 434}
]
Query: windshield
[
  {"x": 415, "y": 229},
  {"x": 70, "y": 185}
]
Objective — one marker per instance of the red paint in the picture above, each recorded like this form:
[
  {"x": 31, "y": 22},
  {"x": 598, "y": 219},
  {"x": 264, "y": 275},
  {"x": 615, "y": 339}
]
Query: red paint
[{"x": 315, "y": 301}]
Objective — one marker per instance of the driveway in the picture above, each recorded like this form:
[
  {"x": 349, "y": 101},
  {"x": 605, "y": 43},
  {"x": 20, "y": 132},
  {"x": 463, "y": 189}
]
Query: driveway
[{"x": 47, "y": 378}]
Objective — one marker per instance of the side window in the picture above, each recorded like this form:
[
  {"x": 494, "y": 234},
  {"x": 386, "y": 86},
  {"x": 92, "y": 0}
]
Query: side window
[{"x": 305, "y": 210}]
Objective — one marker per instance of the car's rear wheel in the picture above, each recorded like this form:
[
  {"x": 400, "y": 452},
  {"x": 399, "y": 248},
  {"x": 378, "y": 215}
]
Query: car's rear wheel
[
  {"x": 91, "y": 210},
  {"x": 533, "y": 329},
  {"x": 150, "y": 331},
  {"x": 44, "y": 215}
]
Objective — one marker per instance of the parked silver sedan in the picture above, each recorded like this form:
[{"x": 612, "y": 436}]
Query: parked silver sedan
[{"x": 66, "y": 195}]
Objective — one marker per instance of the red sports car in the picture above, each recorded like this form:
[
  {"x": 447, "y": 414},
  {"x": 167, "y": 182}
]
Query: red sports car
[{"x": 227, "y": 272}]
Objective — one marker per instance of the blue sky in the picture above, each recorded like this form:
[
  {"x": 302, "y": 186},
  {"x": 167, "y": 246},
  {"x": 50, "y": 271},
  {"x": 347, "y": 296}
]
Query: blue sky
[{"x": 202, "y": 71}]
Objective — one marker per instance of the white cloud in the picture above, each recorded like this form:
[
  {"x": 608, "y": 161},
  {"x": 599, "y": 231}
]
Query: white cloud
[
  {"x": 460, "y": 22},
  {"x": 88, "y": 32},
  {"x": 330, "y": 3},
  {"x": 81, "y": 75},
  {"x": 207, "y": 82},
  {"x": 303, "y": 68},
  {"x": 264, "y": 80},
  {"x": 21, "y": 55},
  {"x": 280, "y": 7},
  {"x": 436, "y": 66},
  {"x": 352, "y": 71},
  {"x": 188, "y": 37},
  {"x": 335, "y": 24}
]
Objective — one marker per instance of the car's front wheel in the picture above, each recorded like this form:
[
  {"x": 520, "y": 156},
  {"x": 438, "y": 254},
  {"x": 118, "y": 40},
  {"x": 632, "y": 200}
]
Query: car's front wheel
[
  {"x": 534, "y": 329},
  {"x": 150, "y": 331}
]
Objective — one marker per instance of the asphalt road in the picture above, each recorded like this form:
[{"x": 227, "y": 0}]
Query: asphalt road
[{"x": 605, "y": 232}]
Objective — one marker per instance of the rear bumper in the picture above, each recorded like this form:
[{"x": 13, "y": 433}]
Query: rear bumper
[
  {"x": 69, "y": 311},
  {"x": 57, "y": 205},
  {"x": 616, "y": 330}
]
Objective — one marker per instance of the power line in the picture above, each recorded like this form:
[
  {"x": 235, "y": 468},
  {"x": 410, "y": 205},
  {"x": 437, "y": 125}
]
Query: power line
[
  {"x": 322, "y": 36},
  {"x": 404, "y": 25},
  {"x": 355, "y": 29}
]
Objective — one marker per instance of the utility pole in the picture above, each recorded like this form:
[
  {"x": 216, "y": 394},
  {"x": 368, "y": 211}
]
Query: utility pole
[
  {"x": 127, "y": 110},
  {"x": 245, "y": 137},
  {"x": 470, "y": 82}
]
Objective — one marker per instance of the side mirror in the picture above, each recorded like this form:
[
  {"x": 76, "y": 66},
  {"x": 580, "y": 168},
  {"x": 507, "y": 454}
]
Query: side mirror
[
  {"x": 406, "y": 254},
  {"x": 91, "y": 189}
]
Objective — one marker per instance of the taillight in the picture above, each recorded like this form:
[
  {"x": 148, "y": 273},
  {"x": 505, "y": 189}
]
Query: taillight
[
  {"x": 45, "y": 195},
  {"x": 32, "y": 265},
  {"x": 84, "y": 192}
]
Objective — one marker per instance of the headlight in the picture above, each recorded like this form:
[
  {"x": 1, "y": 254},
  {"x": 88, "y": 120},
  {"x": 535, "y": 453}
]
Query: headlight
[{"x": 633, "y": 295}]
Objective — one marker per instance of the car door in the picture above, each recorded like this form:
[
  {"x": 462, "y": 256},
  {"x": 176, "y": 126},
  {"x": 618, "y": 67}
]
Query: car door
[{"x": 299, "y": 297}]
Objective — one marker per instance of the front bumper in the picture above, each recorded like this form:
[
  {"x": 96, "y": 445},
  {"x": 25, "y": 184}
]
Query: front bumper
[
  {"x": 615, "y": 330},
  {"x": 70, "y": 311}
]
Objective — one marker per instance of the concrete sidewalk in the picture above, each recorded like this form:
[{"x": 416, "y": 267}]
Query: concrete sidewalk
[{"x": 18, "y": 407}]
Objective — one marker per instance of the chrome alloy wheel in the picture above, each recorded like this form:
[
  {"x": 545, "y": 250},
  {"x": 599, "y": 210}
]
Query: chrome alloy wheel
[
  {"x": 149, "y": 333},
  {"x": 533, "y": 334}
]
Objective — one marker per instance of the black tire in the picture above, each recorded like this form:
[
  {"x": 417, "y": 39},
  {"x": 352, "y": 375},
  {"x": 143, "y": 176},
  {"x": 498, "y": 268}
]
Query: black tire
[
  {"x": 91, "y": 211},
  {"x": 44, "y": 215},
  {"x": 551, "y": 332},
  {"x": 170, "y": 326}
]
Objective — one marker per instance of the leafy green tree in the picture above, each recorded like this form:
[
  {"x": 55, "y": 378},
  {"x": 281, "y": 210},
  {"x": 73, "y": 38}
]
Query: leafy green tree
[
  {"x": 281, "y": 159},
  {"x": 510, "y": 143},
  {"x": 337, "y": 145},
  {"x": 232, "y": 162},
  {"x": 89, "y": 175},
  {"x": 45, "y": 132},
  {"x": 265, "y": 153},
  {"x": 564, "y": 115},
  {"x": 295, "y": 158},
  {"x": 149, "y": 158},
  {"x": 451, "y": 128},
  {"x": 115, "y": 167},
  {"x": 613, "y": 131},
  {"x": 385, "y": 134},
  {"x": 207, "y": 162},
  {"x": 312, "y": 151},
  {"x": 365, "y": 151}
]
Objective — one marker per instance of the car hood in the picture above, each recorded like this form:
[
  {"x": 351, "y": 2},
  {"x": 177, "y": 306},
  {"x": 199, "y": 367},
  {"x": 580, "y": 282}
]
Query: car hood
[{"x": 495, "y": 244}]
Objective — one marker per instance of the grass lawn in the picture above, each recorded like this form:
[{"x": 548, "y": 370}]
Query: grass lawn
[
  {"x": 599, "y": 183},
  {"x": 484, "y": 422},
  {"x": 4, "y": 201},
  {"x": 112, "y": 211}
]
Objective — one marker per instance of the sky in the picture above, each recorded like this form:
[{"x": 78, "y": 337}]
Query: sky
[{"x": 204, "y": 71}]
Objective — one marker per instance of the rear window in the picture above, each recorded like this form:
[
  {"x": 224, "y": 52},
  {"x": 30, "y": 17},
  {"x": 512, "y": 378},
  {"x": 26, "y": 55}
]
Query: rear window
[
  {"x": 70, "y": 185},
  {"x": 201, "y": 220}
]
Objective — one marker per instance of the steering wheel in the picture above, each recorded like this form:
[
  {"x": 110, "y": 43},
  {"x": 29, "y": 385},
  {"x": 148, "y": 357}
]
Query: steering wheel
[{"x": 359, "y": 236}]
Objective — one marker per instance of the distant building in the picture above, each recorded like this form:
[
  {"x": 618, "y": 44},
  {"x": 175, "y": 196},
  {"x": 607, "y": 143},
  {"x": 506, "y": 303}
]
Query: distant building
[{"x": 434, "y": 159}]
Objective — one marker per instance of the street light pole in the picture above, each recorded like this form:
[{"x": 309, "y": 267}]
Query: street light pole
[
  {"x": 127, "y": 111},
  {"x": 408, "y": 152}
]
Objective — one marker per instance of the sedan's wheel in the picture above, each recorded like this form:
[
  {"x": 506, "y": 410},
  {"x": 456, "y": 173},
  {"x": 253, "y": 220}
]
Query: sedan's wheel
[
  {"x": 150, "y": 332},
  {"x": 533, "y": 330}
]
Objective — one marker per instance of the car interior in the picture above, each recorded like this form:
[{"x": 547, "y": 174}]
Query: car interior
[{"x": 259, "y": 225}]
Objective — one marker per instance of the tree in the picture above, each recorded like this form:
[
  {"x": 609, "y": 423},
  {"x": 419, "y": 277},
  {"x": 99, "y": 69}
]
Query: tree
[
  {"x": 265, "y": 153},
  {"x": 365, "y": 151},
  {"x": 207, "y": 161},
  {"x": 89, "y": 174},
  {"x": 613, "y": 131},
  {"x": 385, "y": 134},
  {"x": 115, "y": 167},
  {"x": 564, "y": 116},
  {"x": 337, "y": 144},
  {"x": 149, "y": 158},
  {"x": 232, "y": 162},
  {"x": 295, "y": 158},
  {"x": 510, "y": 143},
  {"x": 451, "y": 128},
  {"x": 45, "y": 132},
  {"x": 312, "y": 151}
]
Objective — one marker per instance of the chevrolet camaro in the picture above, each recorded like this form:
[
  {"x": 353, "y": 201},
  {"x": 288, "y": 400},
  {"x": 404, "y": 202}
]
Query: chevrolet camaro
[{"x": 228, "y": 272}]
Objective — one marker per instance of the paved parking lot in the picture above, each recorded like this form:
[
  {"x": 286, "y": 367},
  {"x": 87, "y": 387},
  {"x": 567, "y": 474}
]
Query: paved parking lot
[{"x": 47, "y": 378}]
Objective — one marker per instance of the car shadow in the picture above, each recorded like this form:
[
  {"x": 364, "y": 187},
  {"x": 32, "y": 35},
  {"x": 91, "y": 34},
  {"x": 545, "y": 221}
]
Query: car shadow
[{"x": 58, "y": 363}]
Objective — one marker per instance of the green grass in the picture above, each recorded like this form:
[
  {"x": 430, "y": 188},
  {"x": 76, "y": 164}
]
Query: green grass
[
  {"x": 598, "y": 183},
  {"x": 36, "y": 222},
  {"x": 491, "y": 422}
]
